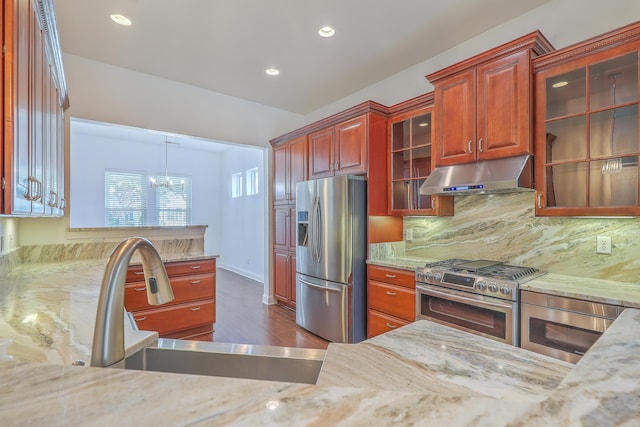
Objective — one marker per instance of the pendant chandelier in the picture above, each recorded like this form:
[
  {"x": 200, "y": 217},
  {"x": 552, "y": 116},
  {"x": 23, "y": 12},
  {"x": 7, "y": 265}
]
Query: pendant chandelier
[{"x": 165, "y": 182}]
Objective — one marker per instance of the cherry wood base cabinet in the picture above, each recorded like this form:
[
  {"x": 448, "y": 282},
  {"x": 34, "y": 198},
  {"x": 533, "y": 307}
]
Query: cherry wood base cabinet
[
  {"x": 483, "y": 105},
  {"x": 391, "y": 299},
  {"x": 587, "y": 115},
  {"x": 191, "y": 314}
]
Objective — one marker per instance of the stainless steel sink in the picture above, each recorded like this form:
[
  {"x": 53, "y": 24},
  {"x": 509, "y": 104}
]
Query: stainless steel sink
[{"x": 288, "y": 364}]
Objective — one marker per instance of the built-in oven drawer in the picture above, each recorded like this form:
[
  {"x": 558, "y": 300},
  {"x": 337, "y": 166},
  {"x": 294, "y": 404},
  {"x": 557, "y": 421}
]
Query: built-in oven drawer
[
  {"x": 563, "y": 328},
  {"x": 489, "y": 317}
]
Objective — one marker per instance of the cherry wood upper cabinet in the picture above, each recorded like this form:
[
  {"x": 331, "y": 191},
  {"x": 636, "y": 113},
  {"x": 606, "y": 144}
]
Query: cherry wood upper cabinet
[
  {"x": 587, "y": 127},
  {"x": 321, "y": 153},
  {"x": 34, "y": 99},
  {"x": 411, "y": 160},
  {"x": 339, "y": 149},
  {"x": 483, "y": 105},
  {"x": 290, "y": 161}
]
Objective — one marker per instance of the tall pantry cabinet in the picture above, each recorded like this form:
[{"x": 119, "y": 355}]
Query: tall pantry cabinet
[{"x": 34, "y": 99}]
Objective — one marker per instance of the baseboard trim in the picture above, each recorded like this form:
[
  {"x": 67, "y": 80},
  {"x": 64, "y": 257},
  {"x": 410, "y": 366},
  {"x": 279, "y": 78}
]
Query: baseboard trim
[
  {"x": 240, "y": 271},
  {"x": 268, "y": 300}
]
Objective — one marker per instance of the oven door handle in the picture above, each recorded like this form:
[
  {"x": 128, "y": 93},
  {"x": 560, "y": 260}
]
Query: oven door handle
[{"x": 459, "y": 298}]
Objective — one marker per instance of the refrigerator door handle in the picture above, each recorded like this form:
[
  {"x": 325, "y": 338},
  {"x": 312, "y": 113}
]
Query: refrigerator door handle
[
  {"x": 316, "y": 228},
  {"x": 324, "y": 288}
]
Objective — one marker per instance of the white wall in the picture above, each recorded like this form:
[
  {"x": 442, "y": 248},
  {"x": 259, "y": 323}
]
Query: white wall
[
  {"x": 245, "y": 225},
  {"x": 9, "y": 236},
  {"x": 563, "y": 22}
]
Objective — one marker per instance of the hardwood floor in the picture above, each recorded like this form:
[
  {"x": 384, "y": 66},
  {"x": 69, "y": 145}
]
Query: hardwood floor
[{"x": 241, "y": 317}]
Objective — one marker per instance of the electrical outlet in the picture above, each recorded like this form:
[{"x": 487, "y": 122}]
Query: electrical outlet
[
  {"x": 603, "y": 245},
  {"x": 408, "y": 234}
]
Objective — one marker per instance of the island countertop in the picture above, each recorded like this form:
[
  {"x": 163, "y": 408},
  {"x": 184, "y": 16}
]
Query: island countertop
[{"x": 474, "y": 381}]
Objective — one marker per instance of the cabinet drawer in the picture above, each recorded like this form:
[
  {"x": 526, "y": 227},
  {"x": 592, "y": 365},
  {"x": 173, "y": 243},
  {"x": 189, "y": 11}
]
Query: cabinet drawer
[
  {"x": 394, "y": 300},
  {"x": 201, "y": 333},
  {"x": 177, "y": 268},
  {"x": 393, "y": 276},
  {"x": 176, "y": 317},
  {"x": 187, "y": 288},
  {"x": 378, "y": 323}
]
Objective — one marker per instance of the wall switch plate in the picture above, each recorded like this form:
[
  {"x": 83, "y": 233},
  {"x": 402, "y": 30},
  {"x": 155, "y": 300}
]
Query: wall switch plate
[{"x": 603, "y": 245}]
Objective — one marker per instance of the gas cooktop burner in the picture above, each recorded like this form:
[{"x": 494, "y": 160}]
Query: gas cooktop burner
[{"x": 485, "y": 268}]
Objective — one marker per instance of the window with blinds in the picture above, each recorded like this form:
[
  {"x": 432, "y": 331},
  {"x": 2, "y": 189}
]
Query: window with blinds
[
  {"x": 173, "y": 202},
  {"x": 125, "y": 198}
]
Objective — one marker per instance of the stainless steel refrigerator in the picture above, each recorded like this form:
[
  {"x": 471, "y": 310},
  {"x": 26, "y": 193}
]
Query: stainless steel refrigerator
[{"x": 331, "y": 297}]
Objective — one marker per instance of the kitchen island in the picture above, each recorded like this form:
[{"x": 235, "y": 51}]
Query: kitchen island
[{"x": 420, "y": 374}]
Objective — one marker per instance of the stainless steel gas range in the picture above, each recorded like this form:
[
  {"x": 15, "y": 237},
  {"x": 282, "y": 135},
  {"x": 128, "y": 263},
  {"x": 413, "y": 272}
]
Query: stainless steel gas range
[{"x": 480, "y": 297}]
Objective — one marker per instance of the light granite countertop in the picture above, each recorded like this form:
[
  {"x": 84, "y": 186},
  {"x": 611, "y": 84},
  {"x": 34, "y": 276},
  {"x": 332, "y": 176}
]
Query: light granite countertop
[
  {"x": 420, "y": 374},
  {"x": 625, "y": 294}
]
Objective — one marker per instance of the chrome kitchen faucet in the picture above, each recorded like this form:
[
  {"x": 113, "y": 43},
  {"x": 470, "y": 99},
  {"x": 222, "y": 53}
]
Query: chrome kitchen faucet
[{"x": 108, "y": 335}]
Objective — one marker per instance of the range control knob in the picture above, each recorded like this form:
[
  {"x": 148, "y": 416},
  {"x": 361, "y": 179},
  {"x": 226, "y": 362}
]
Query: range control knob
[
  {"x": 493, "y": 287},
  {"x": 481, "y": 286},
  {"x": 505, "y": 290},
  {"x": 420, "y": 275},
  {"x": 429, "y": 275},
  {"x": 437, "y": 276}
]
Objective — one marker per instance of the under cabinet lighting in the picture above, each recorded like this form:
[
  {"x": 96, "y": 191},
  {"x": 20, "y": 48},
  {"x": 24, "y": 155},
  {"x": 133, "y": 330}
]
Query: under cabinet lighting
[
  {"x": 559, "y": 84},
  {"x": 120, "y": 19},
  {"x": 423, "y": 124},
  {"x": 272, "y": 71},
  {"x": 326, "y": 31}
]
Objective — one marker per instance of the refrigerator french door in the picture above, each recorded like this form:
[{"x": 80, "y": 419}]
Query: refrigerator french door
[{"x": 330, "y": 257}]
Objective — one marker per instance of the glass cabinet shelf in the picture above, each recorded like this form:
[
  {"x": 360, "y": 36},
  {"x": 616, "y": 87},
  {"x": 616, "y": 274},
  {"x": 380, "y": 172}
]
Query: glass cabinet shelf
[
  {"x": 410, "y": 161},
  {"x": 589, "y": 142}
]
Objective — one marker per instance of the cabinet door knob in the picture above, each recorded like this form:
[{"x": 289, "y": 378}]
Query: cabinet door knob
[
  {"x": 539, "y": 200},
  {"x": 469, "y": 144},
  {"x": 480, "y": 144}
]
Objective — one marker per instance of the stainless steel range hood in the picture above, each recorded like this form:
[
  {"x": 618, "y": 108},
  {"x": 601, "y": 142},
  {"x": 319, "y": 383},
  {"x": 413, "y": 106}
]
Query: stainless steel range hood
[{"x": 512, "y": 174}]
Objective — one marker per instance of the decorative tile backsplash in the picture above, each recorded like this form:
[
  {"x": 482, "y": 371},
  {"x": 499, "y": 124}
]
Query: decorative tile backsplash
[{"x": 504, "y": 227}]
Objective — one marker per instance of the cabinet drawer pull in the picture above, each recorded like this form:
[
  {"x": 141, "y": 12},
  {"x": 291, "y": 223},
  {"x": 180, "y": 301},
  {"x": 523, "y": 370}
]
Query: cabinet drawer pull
[
  {"x": 195, "y": 267},
  {"x": 138, "y": 273},
  {"x": 139, "y": 289},
  {"x": 469, "y": 144},
  {"x": 389, "y": 325},
  {"x": 539, "y": 200},
  {"x": 391, "y": 276},
  {"x": 194, "y": 308},
  {"x": 195, "y": 282},
  {"x": 140, "y": 319},
  {"x": 393, "y": 294},
  {"x": 480, "y": 145}
]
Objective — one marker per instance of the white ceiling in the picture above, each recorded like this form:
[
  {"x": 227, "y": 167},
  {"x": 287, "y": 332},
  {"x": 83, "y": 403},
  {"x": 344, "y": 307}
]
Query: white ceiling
[{"x": 225, "y": 45}]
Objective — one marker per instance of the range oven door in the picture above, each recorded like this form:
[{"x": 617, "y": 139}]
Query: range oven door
[{"x": 489, "y": 317}]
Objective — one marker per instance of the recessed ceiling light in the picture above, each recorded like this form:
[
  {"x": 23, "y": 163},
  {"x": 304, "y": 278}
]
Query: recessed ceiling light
[
  {"x": 559, "y": 84},
  {"x": 120, "y": 19},
  {"x": 326, "y": 31},
  {"x": 272, "y": 71}
]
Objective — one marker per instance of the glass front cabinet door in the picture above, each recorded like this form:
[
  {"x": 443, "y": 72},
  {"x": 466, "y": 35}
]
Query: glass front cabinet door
[
  {"x": 411, "y": 163},
  {"x": 587, "y": 142}
]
